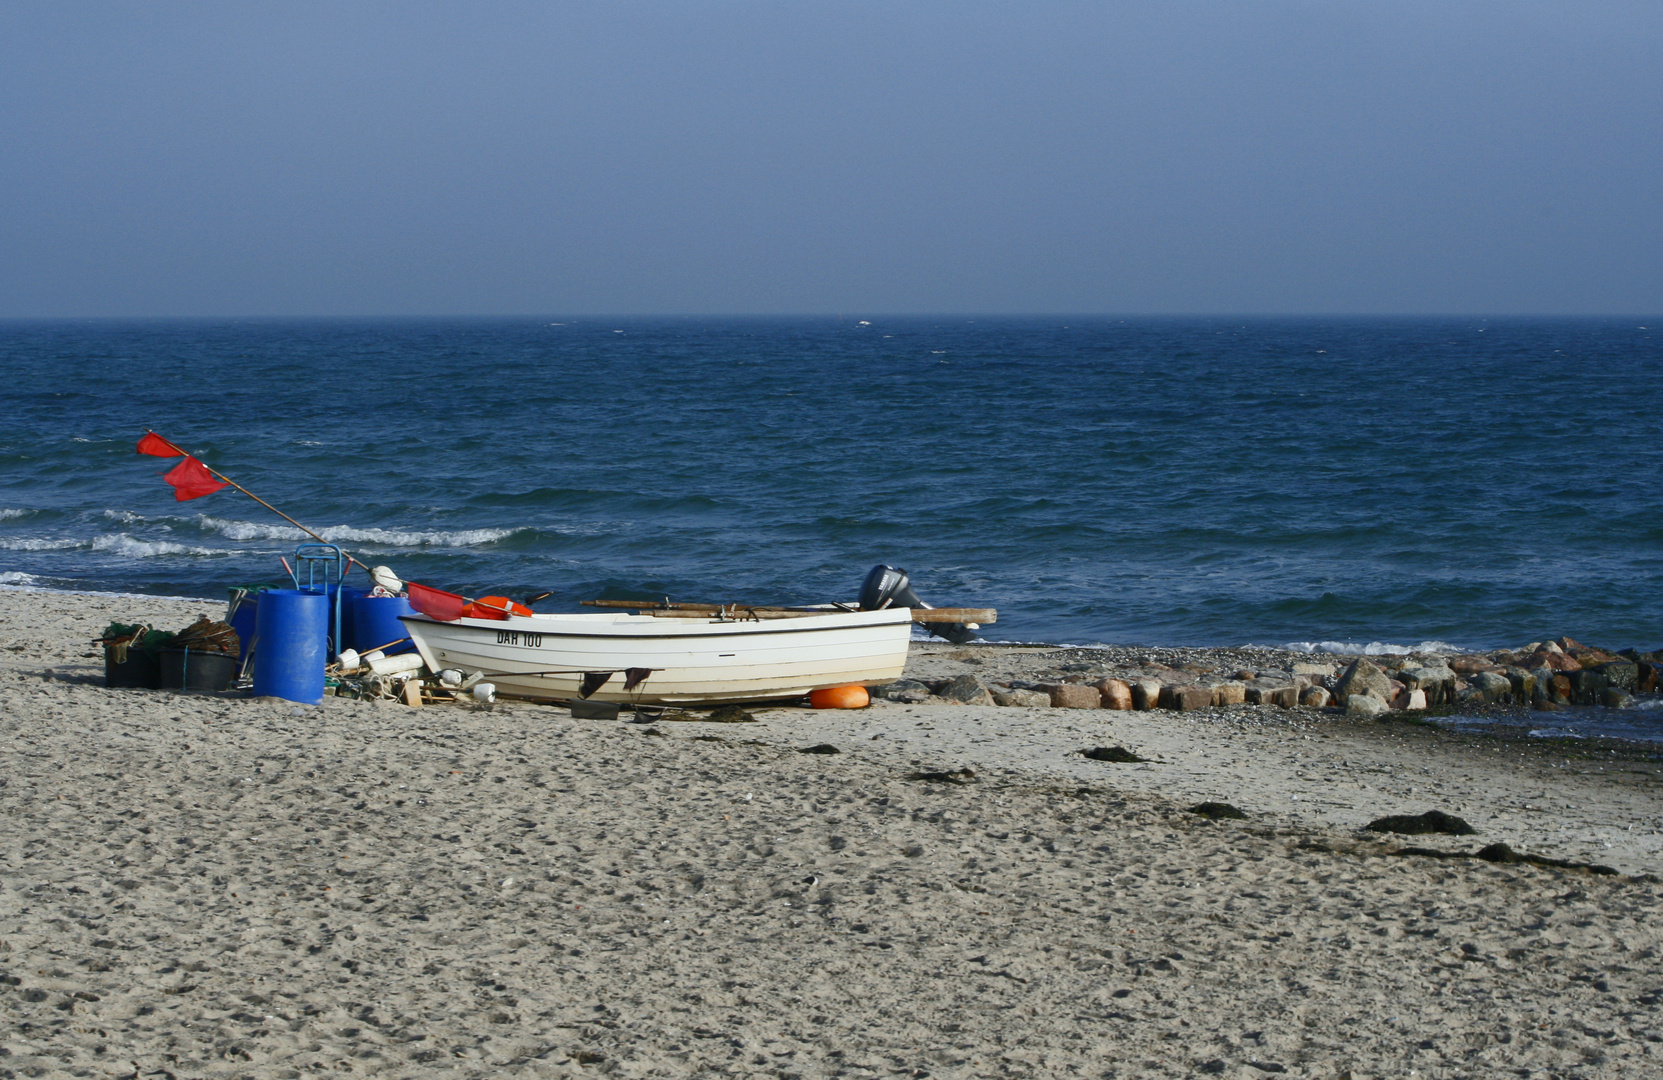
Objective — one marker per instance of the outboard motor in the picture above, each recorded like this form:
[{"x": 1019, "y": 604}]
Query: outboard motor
[{"x": 887, "y": 586}]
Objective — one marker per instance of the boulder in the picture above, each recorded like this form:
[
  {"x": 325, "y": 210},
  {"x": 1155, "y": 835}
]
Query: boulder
[
  {"x": 1492, "y": 686},
  {"x": 1623, "y": 674},
  {"x": 905, "y": 691},
  {"x": 1146, "y": 695},
  {"x": 1553, "y": 659},
  {"x": 1116, "y": 694},
  {"x": 1186, "y": 698},
  {"x": 1229, "y": 693},
  {"x": 1315, "y": 671},
  {"x": 1268, "y": 692},
  {"x": 1524, "y": 684},
  {"x": 1587, "y": 686},
  {"x": 1645, "y": 676},
  {"x": 1472, "y": 665},
  {"x": 1075, "y": 696},
  {"x": 1362, "y": 677},
  {"x": 965, "y": 690},
  {"x": 1542, "y": 684},
  {"x": 1315, "y": 697},
  {"x": 1561, "y": 690},
  {"x": 1438, "y": 682},
  {"x": 1410, "y": 699},
  {"x": 1016, "y": 697},
  {"x": 1616, "y": 698},
  {"x": 1364, "y": 705}
]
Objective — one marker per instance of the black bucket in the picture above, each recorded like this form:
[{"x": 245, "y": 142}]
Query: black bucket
[
  {"x": 140, "y": 670},
  {"x": 183, "y": 669}
]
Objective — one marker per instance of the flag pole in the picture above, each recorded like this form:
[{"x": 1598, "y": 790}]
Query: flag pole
[{"x": 256, "y": 498}]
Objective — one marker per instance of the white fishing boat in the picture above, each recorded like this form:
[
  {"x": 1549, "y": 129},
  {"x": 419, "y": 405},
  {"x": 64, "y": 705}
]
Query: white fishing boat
[{"x": 671, "y": 657}]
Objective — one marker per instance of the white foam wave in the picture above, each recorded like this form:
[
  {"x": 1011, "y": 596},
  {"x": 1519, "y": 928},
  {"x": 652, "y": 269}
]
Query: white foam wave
[
  {"x": 39, "y": 544},
  {"x": 1373, "y": 648},
  {"x": 16, "y": 577},
  {"x": 249, "y": 530},
  {"x": 122, "y": 544},
  {"x": 13, "y": 515}
]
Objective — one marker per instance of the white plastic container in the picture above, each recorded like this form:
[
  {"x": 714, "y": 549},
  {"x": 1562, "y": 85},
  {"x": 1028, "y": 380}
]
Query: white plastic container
[
  {"x": 391, "y": 665},
  {"x": 485, "y": 692}
]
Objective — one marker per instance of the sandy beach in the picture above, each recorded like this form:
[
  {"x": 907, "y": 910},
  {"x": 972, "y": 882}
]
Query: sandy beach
[{"x": 213, "y": 885}]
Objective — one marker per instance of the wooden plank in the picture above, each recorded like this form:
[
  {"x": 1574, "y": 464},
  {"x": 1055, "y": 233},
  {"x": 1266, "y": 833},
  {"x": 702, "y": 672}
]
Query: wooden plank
[{"x": 919, "y": 615}]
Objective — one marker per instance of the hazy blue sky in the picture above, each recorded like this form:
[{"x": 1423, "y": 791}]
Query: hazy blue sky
[{"x": 731, "y": 157}]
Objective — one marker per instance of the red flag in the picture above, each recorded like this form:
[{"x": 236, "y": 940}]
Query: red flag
[
  {"x": 156, "y": 446},
  {"x": 436, "y": 603},
  {"x": 191, "y": 480}
]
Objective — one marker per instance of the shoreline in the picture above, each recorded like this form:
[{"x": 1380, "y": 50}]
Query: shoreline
[{"x": 220, "y": 885}]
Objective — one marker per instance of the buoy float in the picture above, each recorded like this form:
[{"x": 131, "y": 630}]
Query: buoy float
[
  {"x": 840, "y": 697},
  {"x": 494, "y": 607}
]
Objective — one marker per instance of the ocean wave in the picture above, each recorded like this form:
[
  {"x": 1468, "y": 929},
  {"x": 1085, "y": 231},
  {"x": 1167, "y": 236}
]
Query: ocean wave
[
  {"x": 249, "y": 530},
  {"x": 16, "y": 577},
  {"x": 122, "y": 544},
  {"x": 38, "y": 544},
  {"x": 13, "y": 515},
  {"x": 1373, "y": 648}
]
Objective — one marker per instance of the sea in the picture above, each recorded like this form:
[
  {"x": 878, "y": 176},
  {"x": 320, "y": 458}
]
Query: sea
[{"x": 1338, "y": 484}]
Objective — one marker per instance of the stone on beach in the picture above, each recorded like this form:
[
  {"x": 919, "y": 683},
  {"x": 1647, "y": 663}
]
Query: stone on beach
[
  {"x": 1315, "y": 697},
  {"x": 1491, "y": 686},
  {"x": 1116, "y": 694},
  {"x": 1438, "y": 682},
  {"x": 1587, "y": 686},
  {"x": 1186, "y": 698},
  {"x": 965, "y": 690},
  {"x": 1017, "y": 697},
  {"x": 1623, "y": 674},
  {"x": 1409, "y": 699},
  {"x": 1554, "y": 659},
  {"x": 1363, "y": 677},
  {"x": 904, "y": 691},
  {"x": 1364, "y": 705},
  {"x": 1229, "y": 693},
  {"x": 1146, "y": 695},
  {"x": 1075, "y": 696}
]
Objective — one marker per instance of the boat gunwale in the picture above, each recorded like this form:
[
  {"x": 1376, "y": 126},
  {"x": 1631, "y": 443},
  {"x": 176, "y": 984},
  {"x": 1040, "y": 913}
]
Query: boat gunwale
[{"x": 668, "y": 627}]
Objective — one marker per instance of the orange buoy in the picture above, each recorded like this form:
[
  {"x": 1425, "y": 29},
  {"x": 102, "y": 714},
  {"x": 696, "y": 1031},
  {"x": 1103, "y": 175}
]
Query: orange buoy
[
  {"x": 494, "y": 607},
  {"x": 840, "y": 697}
]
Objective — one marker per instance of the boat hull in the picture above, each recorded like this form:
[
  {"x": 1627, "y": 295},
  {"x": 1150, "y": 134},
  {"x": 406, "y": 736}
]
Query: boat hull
[{"x": 699, "y": 660}]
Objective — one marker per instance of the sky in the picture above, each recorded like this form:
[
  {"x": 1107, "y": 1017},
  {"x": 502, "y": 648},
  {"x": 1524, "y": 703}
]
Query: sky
[{"x": 1321, "y": 157}]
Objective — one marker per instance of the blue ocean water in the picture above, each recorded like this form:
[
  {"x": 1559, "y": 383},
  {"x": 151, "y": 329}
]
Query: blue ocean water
[{"x": 1196, "y": 481}]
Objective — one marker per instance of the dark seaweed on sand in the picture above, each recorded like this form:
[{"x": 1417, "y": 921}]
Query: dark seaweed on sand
[
  {"x": 1433, "y": 821},
  {"x": 1118, "y": 754},
  {"x": 1501, "y": 853},
  {"x": 950, "y": 776},
  {"x": 1217, "y": 811}
]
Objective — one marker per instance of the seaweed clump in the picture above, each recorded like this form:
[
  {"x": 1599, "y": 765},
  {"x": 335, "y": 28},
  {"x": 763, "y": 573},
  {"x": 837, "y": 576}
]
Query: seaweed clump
[
  {"x": 1433, "y": 821},
  {"x": 1217, "y": 811},
  {"x": 1118, "y": 754}
]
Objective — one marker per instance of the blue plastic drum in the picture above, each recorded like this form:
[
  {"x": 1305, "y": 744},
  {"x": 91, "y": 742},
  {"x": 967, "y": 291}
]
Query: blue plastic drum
[
  {"x": 242, "y": 621},
  {"x": 292, "y": 631},
  {"x": 375, "y": 622}
]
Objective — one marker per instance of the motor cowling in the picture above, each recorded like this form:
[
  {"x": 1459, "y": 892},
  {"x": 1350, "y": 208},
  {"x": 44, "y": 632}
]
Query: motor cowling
[{"x": 888, "y": 586}]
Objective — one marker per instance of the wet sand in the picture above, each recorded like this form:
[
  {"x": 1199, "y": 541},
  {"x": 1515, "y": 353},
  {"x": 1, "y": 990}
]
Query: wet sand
[{"x": 203, "y": 885}]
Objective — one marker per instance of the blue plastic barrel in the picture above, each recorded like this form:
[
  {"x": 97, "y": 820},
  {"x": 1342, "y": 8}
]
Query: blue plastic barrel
[
  {"x": 243, "y": 622},
  {"x": 349, "y": 633},
  {"x": 375, "y": 622},
  {"x": 292, "y": 628}
]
